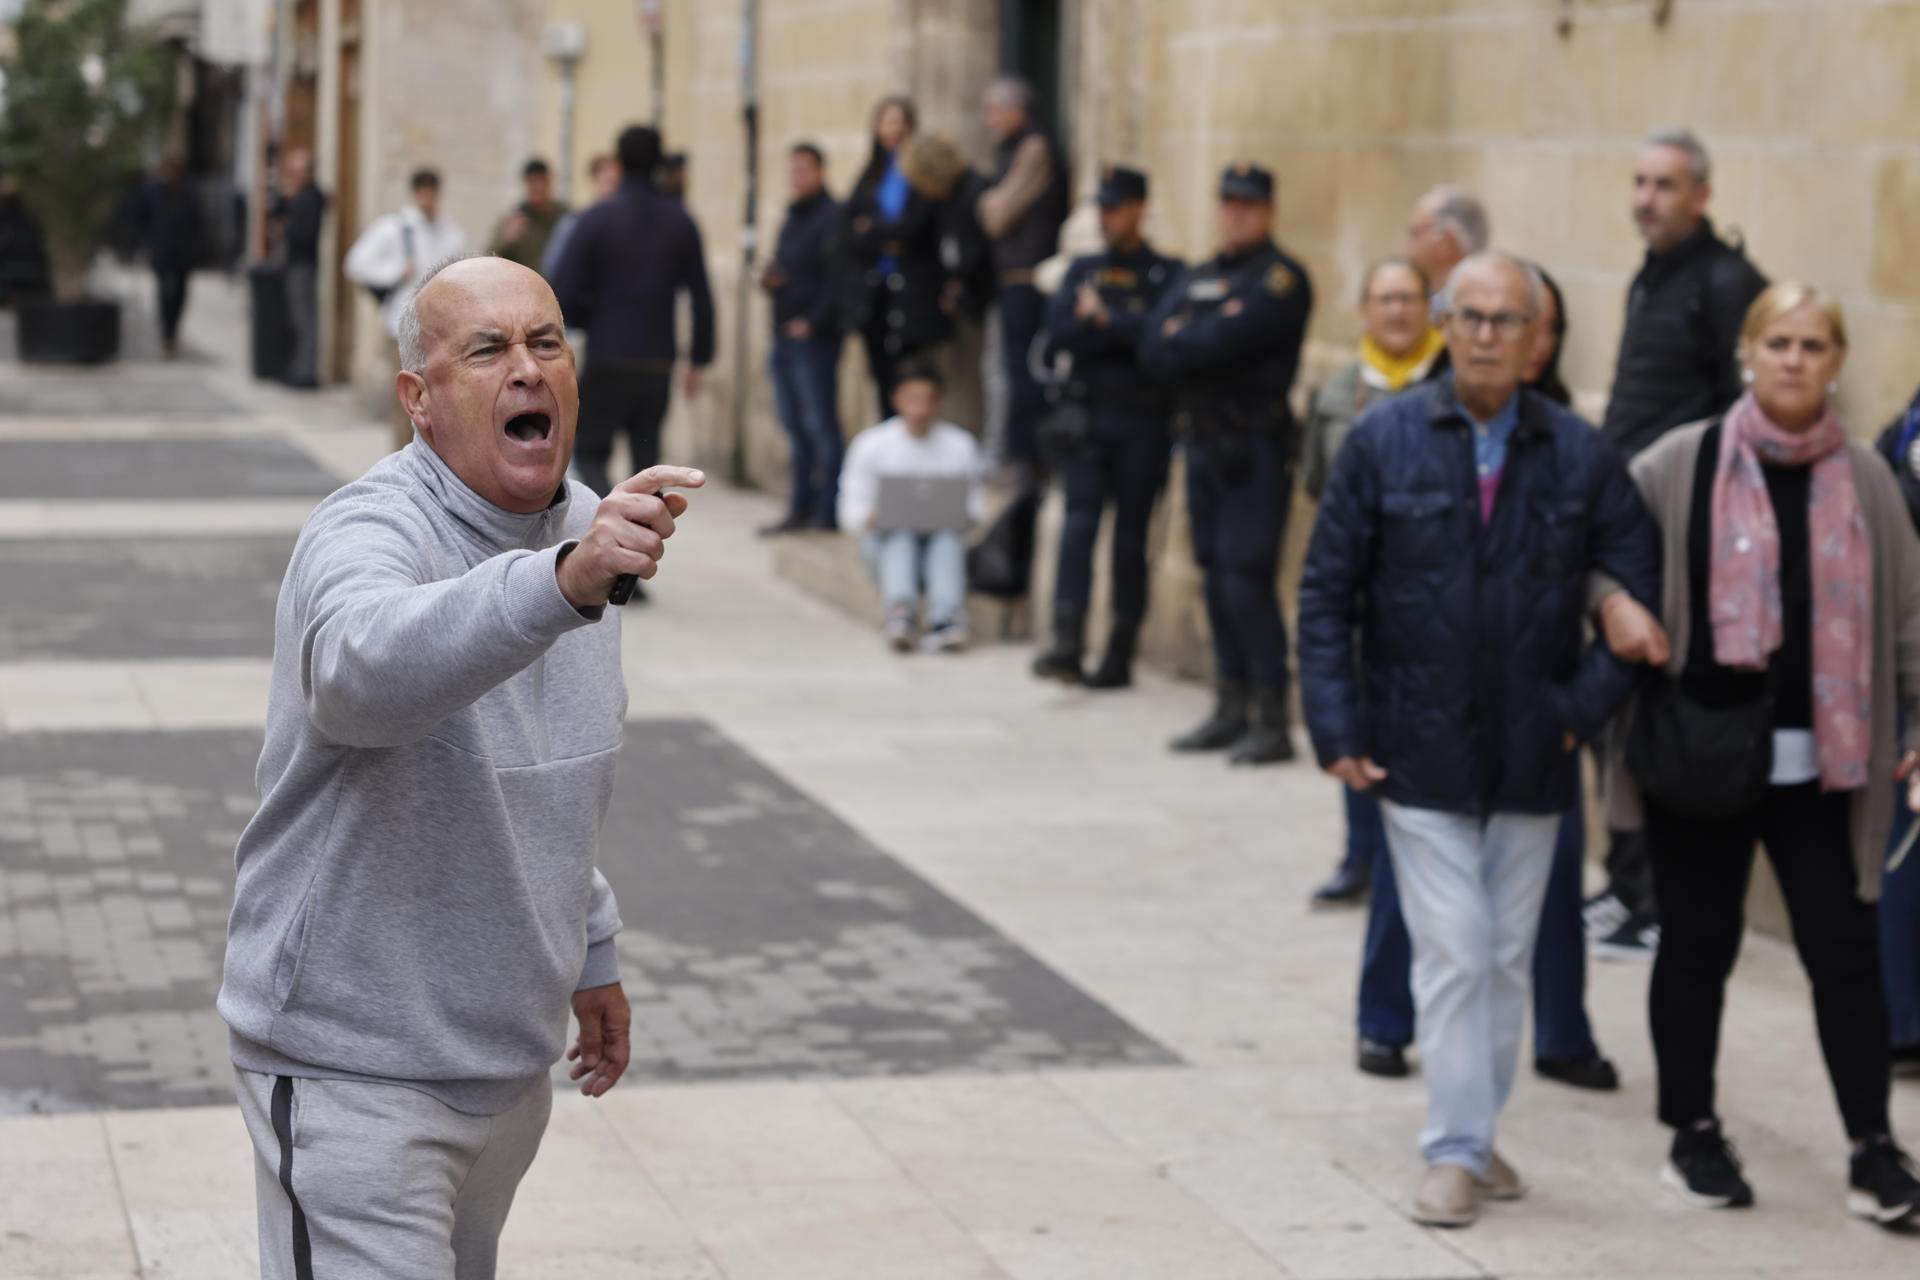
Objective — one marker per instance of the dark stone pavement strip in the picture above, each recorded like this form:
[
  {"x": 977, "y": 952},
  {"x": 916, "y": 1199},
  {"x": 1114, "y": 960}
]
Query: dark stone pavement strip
[
  {"x": 121, "y": 599},
  {"x": 41, "y": 469},
  {"x": 125, "y": 391},
  {"x": 764, "y": 939}
]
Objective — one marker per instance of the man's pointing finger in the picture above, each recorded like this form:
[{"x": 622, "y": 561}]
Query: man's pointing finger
[{"x": 654, "y": 479}]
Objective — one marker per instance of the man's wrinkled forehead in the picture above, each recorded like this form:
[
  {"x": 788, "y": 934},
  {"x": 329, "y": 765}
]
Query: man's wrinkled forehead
[
  {"x": 457, "y": 304},
  {"x": 1495, "y": 284}
]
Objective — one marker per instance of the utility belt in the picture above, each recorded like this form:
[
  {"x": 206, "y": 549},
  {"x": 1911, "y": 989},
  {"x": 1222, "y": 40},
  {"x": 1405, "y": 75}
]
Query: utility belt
[{"x": 1200, "y": 419}]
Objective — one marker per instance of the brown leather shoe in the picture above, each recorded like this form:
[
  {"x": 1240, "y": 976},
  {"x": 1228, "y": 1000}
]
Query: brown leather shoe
[
  {"x": 1446, "y": 1198},
  {"x": 1501, "y": 1181}
]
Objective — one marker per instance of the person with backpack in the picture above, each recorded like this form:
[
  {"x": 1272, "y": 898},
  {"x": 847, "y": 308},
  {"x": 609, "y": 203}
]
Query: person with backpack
[
  {"x": 398, "y": 248},
  {"x": 1676, "y": 366}
]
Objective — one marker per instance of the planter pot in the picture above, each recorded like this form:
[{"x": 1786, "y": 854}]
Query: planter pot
[{"x": 69, "y": 332}]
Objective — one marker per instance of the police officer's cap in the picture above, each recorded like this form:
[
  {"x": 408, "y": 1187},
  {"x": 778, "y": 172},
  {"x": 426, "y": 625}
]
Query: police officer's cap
[
  {"x": 1246, "y": 182},
  {"x": 1119, "y": 185}
]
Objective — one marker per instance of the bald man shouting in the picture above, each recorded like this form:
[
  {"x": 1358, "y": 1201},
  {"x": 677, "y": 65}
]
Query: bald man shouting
[{"x": 417, "y": 904}]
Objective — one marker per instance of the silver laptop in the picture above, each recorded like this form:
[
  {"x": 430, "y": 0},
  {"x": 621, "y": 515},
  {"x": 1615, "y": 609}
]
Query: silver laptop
[{"x": 923, "y": 504}]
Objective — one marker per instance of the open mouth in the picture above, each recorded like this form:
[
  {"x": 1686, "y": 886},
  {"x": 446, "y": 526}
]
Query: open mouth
[{"x": 529, "y": 428}]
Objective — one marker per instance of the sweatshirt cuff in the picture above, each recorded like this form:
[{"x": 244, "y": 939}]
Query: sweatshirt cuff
[
  {"x": 602, "y": 967},
  {"x": 535, "y": 604}
]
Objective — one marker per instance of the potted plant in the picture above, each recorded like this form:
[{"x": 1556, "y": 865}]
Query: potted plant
[{"x": 84, "y": 98}]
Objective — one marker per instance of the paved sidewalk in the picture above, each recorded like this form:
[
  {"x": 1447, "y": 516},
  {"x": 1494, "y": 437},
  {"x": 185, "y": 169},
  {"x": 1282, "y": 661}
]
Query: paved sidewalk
[{"x": 940, "y": 972}]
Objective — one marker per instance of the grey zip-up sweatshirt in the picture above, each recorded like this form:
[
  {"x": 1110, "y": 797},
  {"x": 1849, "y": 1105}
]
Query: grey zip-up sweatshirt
[{"x": 416, "y": 897}]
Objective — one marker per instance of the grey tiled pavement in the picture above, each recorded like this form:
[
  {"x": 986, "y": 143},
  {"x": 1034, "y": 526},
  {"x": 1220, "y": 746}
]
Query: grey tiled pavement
[
  {"x": 159, "y": 597},
  {"x": 764, "y": 938},
  {"x": 144, "y": 470}
]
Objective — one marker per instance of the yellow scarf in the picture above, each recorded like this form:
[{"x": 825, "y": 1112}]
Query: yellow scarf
[{"x": 1400, "y": 370}]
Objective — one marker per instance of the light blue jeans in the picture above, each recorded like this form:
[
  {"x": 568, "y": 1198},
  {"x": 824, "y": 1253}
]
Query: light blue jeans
[
  {"x": 1471, "y": 891},
  {"x": 904, "y": 563}
]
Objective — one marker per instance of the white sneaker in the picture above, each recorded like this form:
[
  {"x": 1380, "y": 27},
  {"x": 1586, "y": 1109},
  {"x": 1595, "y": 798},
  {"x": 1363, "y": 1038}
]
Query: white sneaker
[
  {"x": 951, "y": 638},
  {"x": 899, "y": 630}
]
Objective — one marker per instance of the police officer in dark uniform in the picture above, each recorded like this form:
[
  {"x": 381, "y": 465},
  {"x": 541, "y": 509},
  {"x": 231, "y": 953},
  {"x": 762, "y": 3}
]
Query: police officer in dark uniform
[
  {"x": 1228, "y": 335},
  {"x": 1111, "y": 420}
]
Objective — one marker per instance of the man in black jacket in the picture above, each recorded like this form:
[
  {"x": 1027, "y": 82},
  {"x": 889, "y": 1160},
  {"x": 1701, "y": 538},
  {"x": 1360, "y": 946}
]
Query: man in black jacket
[
  {"x": 618, "y": 276},
  {"x": 1676, "y": 366},
  {"x": 1227, "y": 335},
  {"x": 298, "y": 214},
  {"x": 1455, "y": 539},
  {"x": 805, "y": 362},
  {"x": 1098, "y": 316}
]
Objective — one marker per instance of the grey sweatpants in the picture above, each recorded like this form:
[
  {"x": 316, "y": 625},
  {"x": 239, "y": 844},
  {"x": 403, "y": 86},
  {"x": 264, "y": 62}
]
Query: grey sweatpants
[{"x": 379, "y": 1180}]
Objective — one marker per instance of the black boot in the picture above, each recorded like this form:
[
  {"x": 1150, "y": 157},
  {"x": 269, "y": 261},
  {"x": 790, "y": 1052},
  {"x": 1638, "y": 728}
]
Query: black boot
[
  {"x": 1268, "y": 739},
  {"x": 1221, "y": 729},
  {"x": 1116, "y": 669},
  {"x": 1062, "y": 662}
]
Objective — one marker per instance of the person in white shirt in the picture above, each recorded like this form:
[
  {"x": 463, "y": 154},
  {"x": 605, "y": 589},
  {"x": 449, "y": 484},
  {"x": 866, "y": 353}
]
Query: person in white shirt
[
  {"x": 914, "y": 442},
  {"x": 397, "y": 248}
]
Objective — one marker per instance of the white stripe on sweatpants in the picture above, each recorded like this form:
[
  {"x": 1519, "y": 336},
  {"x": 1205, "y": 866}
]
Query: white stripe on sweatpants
[
  {"x": 1471, "y": 890},
  {"x": 389, "y": 1181}
]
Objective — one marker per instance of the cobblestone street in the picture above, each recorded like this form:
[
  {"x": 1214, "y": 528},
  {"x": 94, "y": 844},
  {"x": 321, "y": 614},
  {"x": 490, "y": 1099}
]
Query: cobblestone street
[{"x": 937, "y": 971}]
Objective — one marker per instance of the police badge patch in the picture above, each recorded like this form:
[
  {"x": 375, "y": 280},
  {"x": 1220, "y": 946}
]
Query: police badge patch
[{"x": 1279, "y": 280}]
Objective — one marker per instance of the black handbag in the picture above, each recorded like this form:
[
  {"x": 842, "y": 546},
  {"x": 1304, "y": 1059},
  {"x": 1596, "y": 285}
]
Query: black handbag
[
  {"x": 1066, "y": 431},
  {"x": 1001, "y": 563},
  {"x": 1696, "y": 760}
]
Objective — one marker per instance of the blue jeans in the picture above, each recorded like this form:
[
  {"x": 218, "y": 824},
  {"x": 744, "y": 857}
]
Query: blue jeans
[
  {"x": 1472, "y": 891},
  {"x": 1560, "y": 1025},
  {"x": 806, "y": 374},
  {"x": 905, "y": 563},
  {"x": 1900, "y": 934},
  {"x": 1366, "y": 838}
]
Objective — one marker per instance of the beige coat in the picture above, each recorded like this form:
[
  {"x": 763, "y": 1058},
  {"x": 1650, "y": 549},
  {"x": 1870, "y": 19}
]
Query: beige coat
[{"x": 1664, "y": 474}]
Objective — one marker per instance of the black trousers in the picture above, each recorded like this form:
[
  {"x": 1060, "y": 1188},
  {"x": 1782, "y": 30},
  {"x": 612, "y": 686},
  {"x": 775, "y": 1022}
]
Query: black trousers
[
  {"x": 1125, "y": 462},
  {"x": 1238, "y": 493},
  {"x": 1700, "y": 873},
  {"x": 1022, "y": 313},
  {"x": 619, "y": 396},
  {"x": 172, "y": 282}
]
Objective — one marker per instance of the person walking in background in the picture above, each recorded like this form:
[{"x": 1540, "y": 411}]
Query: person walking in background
[
  {"x": 1398, "y": 347},
  {"x": 805, "y": 362},
  {"x": 1899, "y": 445},
  {"x": 1447, "y": 224},
  {"x": 1021, "y": 212},
  {"x": 603, "y": 178},
  {"x": 1459, "y": 527},
  {"x": 1117, "y": 417},
  {"x": 1676, "y": 366},
  {"x": 1227, "y": 336},
  {"x": 173, "y": 233},
  {"x": 523, "y": 234},
  {"x": 914, "y": 557},
  {"x": 24, "y": 274},
  {"x": 299, "y": 213},
  {"x": 626, "y": 262},
  {"x": 671, "y": 176},
  {"x": 893, "y": 281},
  {"x": 1793, "y": 605},
  {"x": 1564, "y": 1048}
]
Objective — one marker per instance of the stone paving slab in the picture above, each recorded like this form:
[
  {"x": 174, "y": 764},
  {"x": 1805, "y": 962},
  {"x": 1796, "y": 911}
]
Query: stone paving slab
[
  {"x": 157, "y": 468},
  {"x": 124, "y": 598},
  {"x": 764, "y": 936},
  {"x": 135, "y": 391}
]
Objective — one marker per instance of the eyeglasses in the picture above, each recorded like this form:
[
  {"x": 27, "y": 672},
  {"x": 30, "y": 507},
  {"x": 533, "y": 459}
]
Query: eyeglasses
[{"x": 1506, "y": 325}]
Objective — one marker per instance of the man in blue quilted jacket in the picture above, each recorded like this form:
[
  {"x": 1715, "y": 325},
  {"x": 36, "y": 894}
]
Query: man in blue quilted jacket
[{"x": 1456, "y": 538}]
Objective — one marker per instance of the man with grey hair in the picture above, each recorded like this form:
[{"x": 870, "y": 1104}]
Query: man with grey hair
[
  {"x": 1021, "y": 212},
  {"x": 1447, "y": 225},
  {"x": 1455, "y": 539},
  {"x": 1676, "y": 366},
  {"x": 416, "y": 905}
]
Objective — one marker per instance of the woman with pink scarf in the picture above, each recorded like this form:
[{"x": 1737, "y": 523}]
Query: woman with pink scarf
[{"x": 1792, "y": 574}]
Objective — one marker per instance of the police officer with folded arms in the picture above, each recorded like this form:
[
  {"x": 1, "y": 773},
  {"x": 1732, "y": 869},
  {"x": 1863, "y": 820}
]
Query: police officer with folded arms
[
  {"x": 1108, "y": 430},
  {"x": 1227, "y": 335}
]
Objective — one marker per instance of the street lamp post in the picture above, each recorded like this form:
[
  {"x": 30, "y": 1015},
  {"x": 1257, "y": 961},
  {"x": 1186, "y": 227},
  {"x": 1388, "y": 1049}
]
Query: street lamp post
[{"x": 565, "y": 43}]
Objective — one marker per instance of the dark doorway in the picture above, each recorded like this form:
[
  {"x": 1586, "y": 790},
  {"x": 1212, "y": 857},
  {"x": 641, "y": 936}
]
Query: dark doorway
[{"x": 1030, "y": 47}]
